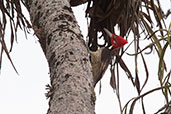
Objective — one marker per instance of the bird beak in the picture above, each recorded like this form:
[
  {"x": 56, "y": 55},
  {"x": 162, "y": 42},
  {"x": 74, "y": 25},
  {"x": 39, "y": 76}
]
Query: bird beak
[{"x": 108, "y": 32}]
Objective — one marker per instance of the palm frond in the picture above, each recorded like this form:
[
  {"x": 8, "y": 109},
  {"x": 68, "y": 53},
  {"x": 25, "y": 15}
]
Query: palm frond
[
  {"x": 11, "y": 11},
  {"x": 130, "y": 16}
]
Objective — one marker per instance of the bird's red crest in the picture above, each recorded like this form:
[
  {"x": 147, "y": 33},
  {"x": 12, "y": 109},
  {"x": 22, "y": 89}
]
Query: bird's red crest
[{"x": 117, "y": 41}]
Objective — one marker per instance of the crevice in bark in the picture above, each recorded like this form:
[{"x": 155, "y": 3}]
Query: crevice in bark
[{"x": 68, "y": 8}]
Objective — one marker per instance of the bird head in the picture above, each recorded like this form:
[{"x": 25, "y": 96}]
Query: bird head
[{"x": 116, "y": 40}]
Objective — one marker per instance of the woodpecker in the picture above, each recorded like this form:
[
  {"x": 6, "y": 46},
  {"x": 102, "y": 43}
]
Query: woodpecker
[{"x": 101, "y": 58}]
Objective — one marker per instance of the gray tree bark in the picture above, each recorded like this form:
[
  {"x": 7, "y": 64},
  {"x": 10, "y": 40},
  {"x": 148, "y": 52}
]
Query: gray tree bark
[{"x": 71, "y": 90}]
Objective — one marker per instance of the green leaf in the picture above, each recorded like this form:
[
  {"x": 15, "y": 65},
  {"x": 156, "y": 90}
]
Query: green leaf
[
  {"x": 169, "y": 35},
  {"x": 161, "y": 63}
]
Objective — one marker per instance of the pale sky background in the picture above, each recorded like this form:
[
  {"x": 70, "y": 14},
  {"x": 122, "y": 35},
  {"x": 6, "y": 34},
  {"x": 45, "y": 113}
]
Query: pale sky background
[{"x": 24, "y": 93}]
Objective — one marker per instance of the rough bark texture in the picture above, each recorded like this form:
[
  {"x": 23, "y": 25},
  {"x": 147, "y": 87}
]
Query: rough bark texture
[{"x": 71, "y": 89}]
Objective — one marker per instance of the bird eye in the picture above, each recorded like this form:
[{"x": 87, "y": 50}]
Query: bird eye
[{"x": 114, "y": 36}]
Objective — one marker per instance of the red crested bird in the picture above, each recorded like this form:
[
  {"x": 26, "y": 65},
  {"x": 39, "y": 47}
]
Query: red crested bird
[
  {"x": 116, "y": 41},
  {"x": 101, "y": 58}
]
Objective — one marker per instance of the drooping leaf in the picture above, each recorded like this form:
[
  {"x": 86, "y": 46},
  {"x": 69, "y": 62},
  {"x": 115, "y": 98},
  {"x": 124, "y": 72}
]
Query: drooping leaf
[
  {"x": 168, "y": 13},
  {"x": 137, "y": 82},
  {"x": 143, "y": 95},
  {"x": 146, "y": 71},
  {"x": 169, "y": 35},
  {"x": 161, "y": 63},
  {"x": 12, "y": 36},
  {"x": 11, "y": 10},
  {"x": 125, "y": 68},
  {"x": 157, "y": 14},
  {"x": 147, "y": 17},
  {"x": 112, "y": 78},
  {"x": 1, "y": 58},
  {"x": 7, "y": 53},
  {"x": 154, "y": 36},
  {"x": 143, "y": 107}
]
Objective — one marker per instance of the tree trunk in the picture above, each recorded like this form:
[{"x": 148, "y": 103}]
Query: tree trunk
[{"x": 71, "y": 90}]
